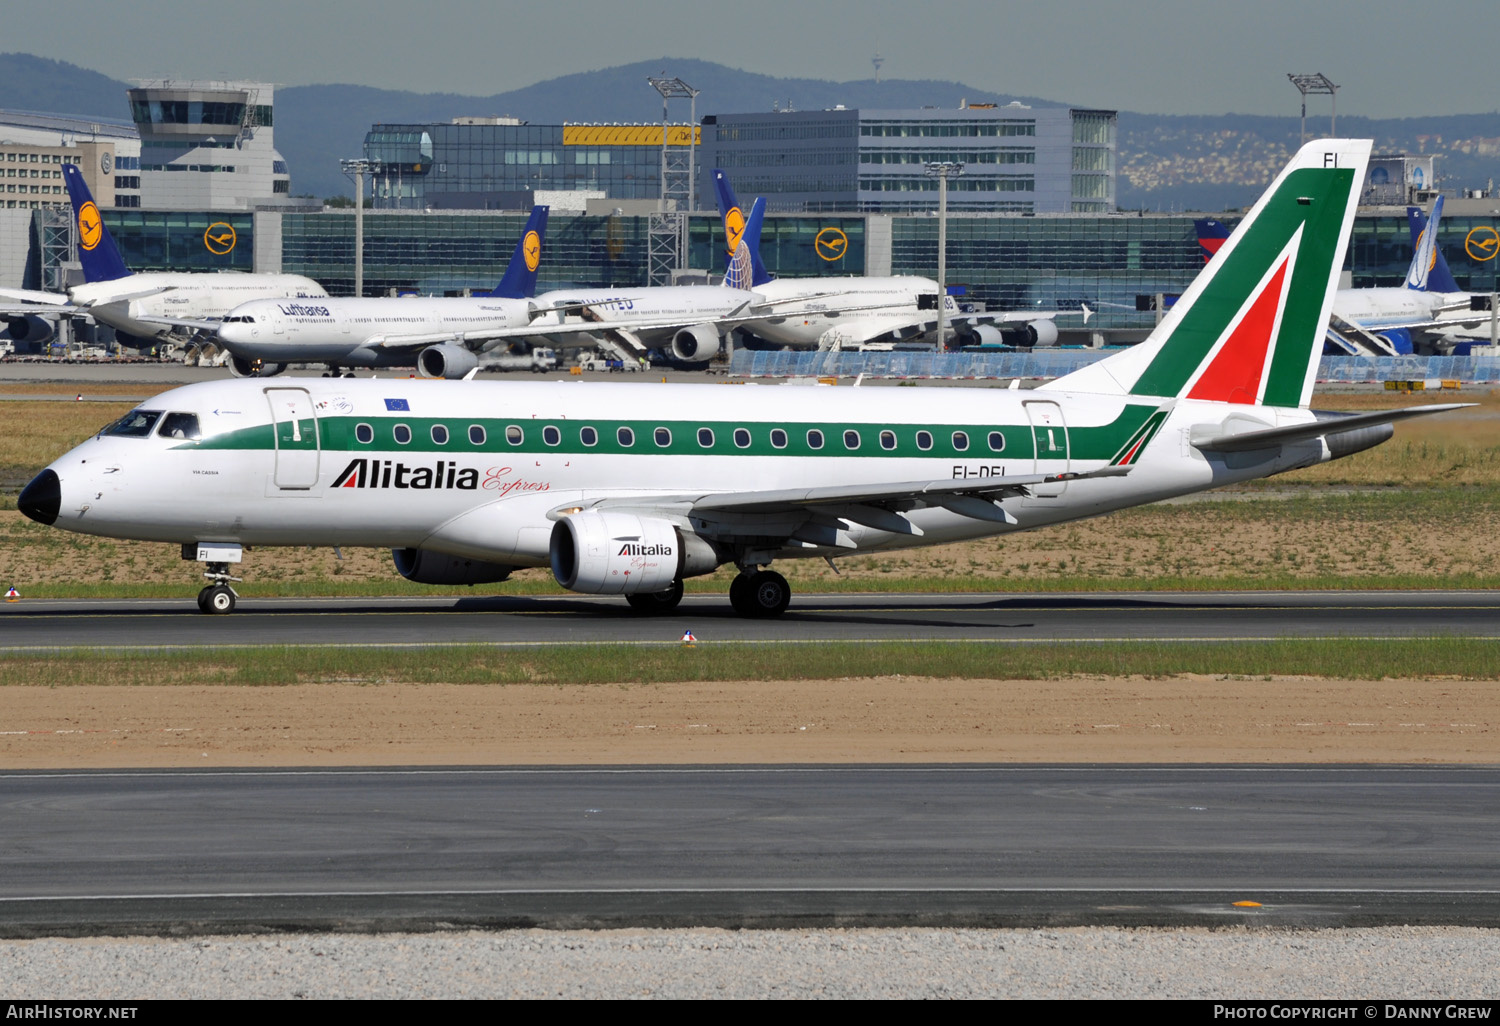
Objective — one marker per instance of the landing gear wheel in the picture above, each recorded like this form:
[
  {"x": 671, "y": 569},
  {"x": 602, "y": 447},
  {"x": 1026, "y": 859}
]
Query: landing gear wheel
[
  {"x": 760, "y": 595},
  {"x": 656, "y": 602},
  {"x": 217, "y": 600}
]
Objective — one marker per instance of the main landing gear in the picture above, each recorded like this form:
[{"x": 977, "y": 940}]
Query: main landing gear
[
  {"x": 760, "y": 594},
  {"x": 657, "y": 602}
]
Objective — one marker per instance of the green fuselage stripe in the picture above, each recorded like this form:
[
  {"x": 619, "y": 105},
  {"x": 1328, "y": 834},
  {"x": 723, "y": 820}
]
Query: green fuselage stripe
[{"x": 338, "y": 434}]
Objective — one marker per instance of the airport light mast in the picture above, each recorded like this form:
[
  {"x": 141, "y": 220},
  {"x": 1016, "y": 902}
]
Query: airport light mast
[
  {"x": 1319, "y": 85},
  {"x": 667, "y": 229},
  {"x": 942, "y": 171},
  {"x": 359, "y": 167}
]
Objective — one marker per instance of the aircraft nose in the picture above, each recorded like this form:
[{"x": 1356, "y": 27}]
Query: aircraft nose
[{"x": 42, "y": 498}]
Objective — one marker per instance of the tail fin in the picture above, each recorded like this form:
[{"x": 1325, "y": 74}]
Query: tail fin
[
  {"x": 1250, "y": 327},
  {"x": 1211, "y": 237},
  {"x": 520, "y": 274},
  {"x": 96, "y": 248},
  {"x": 743, "y": 267},
  {"x": 1429, "y": 271}
]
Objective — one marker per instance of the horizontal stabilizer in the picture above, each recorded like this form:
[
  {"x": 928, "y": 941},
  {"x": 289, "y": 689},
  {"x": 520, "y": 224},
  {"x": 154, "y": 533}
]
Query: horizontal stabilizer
[{"x": 1329, "y": 424}]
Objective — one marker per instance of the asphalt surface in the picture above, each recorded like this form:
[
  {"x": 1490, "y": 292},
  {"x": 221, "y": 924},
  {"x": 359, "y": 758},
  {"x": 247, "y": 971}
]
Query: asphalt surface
[
  {"x": 185, "y": 851},
  {"x": 30, "y": 625}
]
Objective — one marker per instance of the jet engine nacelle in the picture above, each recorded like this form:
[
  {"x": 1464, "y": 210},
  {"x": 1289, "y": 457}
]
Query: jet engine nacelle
[
  {"x": 986, "y": 335},
  {"x": 1399, "y": 339},
  {"x": 31, "y": 328},
  {"x": 242, "y": 367},
  {"x": 1034, "y": 333},
  {"x": 697, "y": 344},
  {"x": 603, "y": 552},
  {"x": 446, "y": 361},
  {"x": 423, "y": 567}
]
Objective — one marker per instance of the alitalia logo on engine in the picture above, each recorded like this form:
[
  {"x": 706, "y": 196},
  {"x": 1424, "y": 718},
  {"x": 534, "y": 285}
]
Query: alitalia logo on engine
[
  {"x": 368, "y": 473},
  {"x": 634, "y": 549}
]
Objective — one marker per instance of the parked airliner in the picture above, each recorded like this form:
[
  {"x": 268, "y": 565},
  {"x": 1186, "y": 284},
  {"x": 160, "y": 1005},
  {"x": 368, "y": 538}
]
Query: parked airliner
[
  {"x": 628, "y": 489},
  {"x": 146, "y": 306},
  {"x": 440, "y": 335},
  {"x": 835, "y": 312}
]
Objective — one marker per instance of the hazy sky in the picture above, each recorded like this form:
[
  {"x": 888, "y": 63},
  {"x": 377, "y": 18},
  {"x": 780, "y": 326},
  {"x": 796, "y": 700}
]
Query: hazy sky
[{"x": 1163, "y": 56}]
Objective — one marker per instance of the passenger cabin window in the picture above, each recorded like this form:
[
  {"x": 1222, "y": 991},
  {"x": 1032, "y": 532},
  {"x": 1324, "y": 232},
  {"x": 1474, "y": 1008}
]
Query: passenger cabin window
[
  {"x": 514, "y": 435},
  {"x": 851, "y": 439},
  {"x": 887, "y": 439},
  {"x": 180, "y": 425},
  {"x": 997, "y": 441},
  {"x": 778, "y": 438},
  {"x": 815, "y": 439},
  {"x": 924, "y": 440},
  {"x": 439, "y": 435},
  {"x": 364, "y": 433},
  {"x": 588, "y": 436},
  {"x": 625, "y": 437},
  {"x": 960, "y": 441},
  {"x": 742, "y": 438},
  {"x": 663, "y": 437},
  {"x": 476, "y": 434},
  {"x": 135, "y": 424},
  {"x": 706, "y": 437},
  {"x": 551, "y": 435},
  {"x": 402, "y": 433}
]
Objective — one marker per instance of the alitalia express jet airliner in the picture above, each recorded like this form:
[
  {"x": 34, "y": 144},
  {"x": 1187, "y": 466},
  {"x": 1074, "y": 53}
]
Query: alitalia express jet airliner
[{"x": 627, "y": 489}]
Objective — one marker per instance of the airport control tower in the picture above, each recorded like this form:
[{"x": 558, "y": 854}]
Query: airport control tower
[{"x": 207, "y": 145}]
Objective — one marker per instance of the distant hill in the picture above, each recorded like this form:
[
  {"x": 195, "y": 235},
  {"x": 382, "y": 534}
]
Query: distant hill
[{"x": 1167, "y": 162}]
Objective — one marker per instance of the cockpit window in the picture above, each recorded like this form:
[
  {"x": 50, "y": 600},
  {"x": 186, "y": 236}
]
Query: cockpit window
[
  {"x": 179, "y": 425},
  {"x": 135, "y": 424}
]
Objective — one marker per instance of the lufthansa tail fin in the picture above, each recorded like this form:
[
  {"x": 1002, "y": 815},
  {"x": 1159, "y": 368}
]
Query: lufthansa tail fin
[
  {"x": 743, "y": 267},
  {"x": 1211, "y": 237},
  {"x": 96, "y": 248},
  {"x": 520, "y": 274},
  {"x": 1250, "y": 327},
  {"x": 1429, "y": 271}
]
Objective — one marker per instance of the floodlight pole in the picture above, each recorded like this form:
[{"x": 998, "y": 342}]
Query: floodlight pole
[
  {"x": 357, "y": 167},
  {"x": 1322, "y": 86},
  {"x": 942, "y": 171}
]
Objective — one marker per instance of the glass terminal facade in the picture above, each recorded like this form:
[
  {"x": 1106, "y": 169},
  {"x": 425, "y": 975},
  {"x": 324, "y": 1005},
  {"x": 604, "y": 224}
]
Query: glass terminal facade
[
  {"x": 497, "y": 163},
  {"x": 1007, "y": 262}
]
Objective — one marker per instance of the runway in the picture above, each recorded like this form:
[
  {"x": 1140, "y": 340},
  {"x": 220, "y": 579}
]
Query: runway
[
  {"x": 746, "y": 846},
  {"x": 33, "y": 625}
]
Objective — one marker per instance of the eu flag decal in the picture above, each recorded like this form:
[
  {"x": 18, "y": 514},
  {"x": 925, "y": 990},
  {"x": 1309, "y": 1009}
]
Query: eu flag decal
[{"x": 397, "y": 404}]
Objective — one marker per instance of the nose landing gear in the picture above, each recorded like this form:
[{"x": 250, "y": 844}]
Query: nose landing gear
[{"x": 218, "y": 597}]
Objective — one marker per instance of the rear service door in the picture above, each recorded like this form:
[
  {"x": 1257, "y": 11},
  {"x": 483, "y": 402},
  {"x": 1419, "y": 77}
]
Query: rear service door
[
  {"x": 1050, "y": 435},
  {"x": 296, "y": 427}
]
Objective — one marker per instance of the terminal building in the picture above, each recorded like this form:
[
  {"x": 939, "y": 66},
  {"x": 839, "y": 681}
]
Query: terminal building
[
  {"x": 1017, "y": 159},
  {"x": 503, "y": 163}
]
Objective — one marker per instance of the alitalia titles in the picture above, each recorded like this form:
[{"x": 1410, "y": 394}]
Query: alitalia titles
[
  {"x": 444, "y": 474},
  {"x": 634, "y": 549}
]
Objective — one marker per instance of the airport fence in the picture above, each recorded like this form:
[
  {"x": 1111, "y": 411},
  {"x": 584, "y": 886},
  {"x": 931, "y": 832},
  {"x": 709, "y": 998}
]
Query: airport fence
[{"x": 1054, "y": 363}]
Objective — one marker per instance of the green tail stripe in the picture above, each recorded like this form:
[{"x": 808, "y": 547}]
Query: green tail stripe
[{"x": 1327, "y": 194}]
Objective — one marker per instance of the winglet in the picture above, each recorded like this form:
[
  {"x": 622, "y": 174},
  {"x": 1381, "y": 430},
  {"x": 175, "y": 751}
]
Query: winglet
[
  {"x": 520, "y": 274},
  {"x": 96, "y": 248}
]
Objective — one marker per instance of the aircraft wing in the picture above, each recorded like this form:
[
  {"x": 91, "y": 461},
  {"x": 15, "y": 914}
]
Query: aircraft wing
[
  {"x": 50, "y": 300},
  {"x": 813, "y": 515},
  {"x": 179, "y": 322},
  {"x": 1207, "y": 437}
]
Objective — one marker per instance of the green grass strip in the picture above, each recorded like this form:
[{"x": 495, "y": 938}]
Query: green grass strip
[{"x": 1347, "y": 659}]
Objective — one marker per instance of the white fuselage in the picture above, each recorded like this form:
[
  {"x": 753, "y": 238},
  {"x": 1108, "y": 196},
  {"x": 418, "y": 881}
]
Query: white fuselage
[
  {"x": 355, "y": 331},
  {"x": 1373, "y": 309},
  {"x": 183, "y": 296},
  {"x": 661, "y": 311},
  {"x": 809, "y": 313},
  {"x": 485, "y": 465}
]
